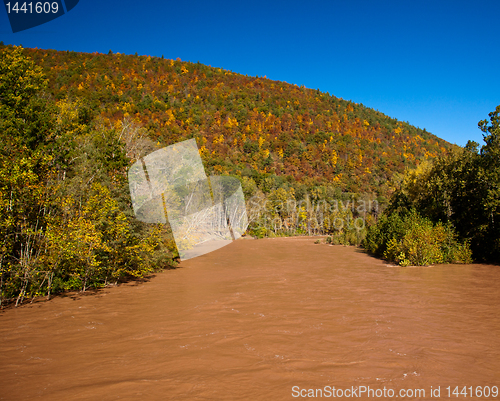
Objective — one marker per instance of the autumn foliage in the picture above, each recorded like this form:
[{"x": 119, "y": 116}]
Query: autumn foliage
[{"x": 245, "y": 126}]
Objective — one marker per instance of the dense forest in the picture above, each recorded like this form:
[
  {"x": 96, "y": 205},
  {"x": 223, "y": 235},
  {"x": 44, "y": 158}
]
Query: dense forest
[{"x": 72, "y": 123}]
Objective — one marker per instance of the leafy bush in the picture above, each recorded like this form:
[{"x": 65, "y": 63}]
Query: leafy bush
[
  {"x": 415, "y": 240},
  {"x": 379, "y": 235}
]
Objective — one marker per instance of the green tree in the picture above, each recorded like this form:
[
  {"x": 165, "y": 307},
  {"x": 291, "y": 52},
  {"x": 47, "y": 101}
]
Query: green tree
[
  {"x": 25, "y": 114},
  {"x": 489, "y": 176},
  {"x": 25, "y": 120}
]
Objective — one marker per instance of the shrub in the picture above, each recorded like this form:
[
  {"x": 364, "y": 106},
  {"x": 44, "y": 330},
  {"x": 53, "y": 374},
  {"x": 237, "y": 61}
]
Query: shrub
[{"x": 415, "y": 240}]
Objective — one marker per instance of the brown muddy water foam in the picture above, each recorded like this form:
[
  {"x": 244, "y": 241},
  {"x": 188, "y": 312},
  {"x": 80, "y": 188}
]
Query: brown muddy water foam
[{"x": 261, "y": 320}]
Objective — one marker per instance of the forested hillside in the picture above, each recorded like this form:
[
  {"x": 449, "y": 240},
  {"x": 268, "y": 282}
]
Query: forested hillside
[{"x": 245, "y": 126}]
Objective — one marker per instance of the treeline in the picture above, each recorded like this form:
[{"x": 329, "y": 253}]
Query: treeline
[
  {"x": 446, "y": 211},
  {"x": 325, "y": 210},
  {"x": 65, "y": 215}
]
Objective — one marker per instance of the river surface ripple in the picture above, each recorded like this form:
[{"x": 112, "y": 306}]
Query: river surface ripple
[{"x": 254, "y": 319}]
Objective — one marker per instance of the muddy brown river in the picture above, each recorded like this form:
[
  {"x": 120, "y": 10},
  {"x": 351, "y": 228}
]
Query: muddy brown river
[{"x": 273, "y": 319}]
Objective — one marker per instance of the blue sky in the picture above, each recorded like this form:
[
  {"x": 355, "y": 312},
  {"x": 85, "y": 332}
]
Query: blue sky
[{"x": 435, "y": 64}]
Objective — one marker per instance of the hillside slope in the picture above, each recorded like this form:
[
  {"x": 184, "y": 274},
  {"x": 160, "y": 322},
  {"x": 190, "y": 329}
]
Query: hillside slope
[{"x": 244, "y": 126}]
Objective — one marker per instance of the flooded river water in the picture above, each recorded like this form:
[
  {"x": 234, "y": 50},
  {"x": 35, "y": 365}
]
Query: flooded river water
[{"x": 262, "y": 320}]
